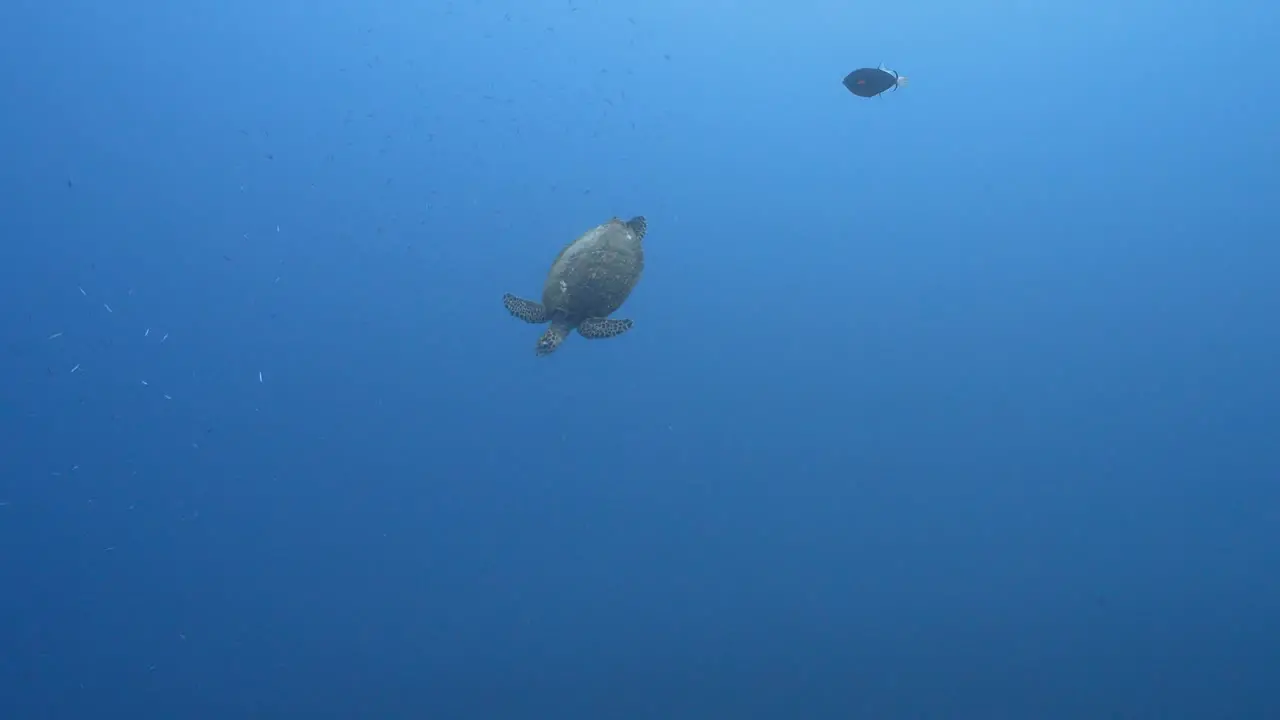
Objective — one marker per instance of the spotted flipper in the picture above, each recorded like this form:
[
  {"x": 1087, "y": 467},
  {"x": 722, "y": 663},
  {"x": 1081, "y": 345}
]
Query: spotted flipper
[
  {"x": 600, "y": 328},
  {"x": 638, "y": 225},
  {"x": 527, "y": 310}
]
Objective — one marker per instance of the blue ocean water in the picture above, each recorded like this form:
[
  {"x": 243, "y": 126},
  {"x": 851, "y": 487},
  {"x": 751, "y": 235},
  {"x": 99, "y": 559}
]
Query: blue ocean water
[{"x": 960, "y": 402}]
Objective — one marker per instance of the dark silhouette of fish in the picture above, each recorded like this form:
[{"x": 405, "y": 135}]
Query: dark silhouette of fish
[{"x": 870, "y": 82}]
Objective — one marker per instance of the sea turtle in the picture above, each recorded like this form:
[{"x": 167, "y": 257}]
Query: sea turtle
[{"x": 590, "y": 278}]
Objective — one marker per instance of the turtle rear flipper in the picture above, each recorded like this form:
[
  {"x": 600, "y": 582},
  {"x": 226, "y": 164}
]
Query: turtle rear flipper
[
  {"x": 600, "y": 328},
  {"x": 527, "y": 310}
]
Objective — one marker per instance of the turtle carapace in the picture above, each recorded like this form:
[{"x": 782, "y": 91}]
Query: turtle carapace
[{"x": 589, "y": 280}]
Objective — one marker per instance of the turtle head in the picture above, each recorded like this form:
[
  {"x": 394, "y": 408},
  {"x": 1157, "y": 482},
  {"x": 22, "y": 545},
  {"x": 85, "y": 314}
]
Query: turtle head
[{"x": 552, "y": 338}]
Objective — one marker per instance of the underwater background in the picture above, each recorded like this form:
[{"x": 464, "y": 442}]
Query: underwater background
[{"x": 958, "y": 402}]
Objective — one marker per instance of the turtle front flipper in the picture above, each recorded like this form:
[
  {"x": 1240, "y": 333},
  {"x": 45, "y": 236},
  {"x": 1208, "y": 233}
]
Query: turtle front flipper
[
  {"x": 600, "y": 328},
  {"x": 527, "y": 310}
]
